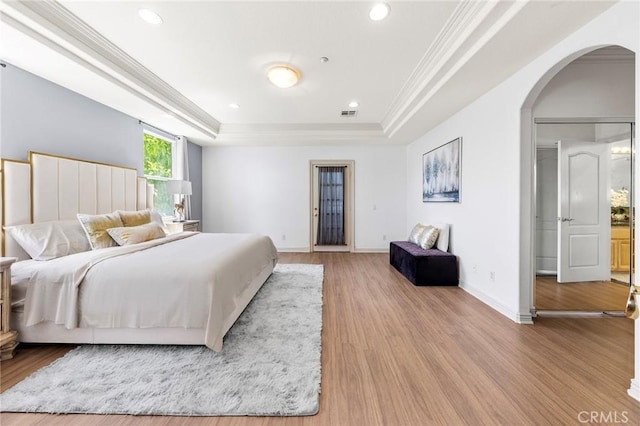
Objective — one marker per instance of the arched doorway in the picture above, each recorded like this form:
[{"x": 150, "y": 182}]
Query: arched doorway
[{"x": 528, "y": 161}]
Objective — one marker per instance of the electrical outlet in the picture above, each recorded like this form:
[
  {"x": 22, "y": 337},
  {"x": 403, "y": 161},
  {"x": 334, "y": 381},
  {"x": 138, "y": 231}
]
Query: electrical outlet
[
  {"x": 384, "y": 237},
  {"x": 284, "y": 237},
  {"x": 474, "y": 269},
  {"x": 492, "y": 276}
]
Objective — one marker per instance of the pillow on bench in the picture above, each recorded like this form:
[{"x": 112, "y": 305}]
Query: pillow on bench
[{"x": 417, "y": 236}]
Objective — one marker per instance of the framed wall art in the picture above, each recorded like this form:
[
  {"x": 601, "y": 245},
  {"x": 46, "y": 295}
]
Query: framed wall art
[{"x": 441, "y": 173}]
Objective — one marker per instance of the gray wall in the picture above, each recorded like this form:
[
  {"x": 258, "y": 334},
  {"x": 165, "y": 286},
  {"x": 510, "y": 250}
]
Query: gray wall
[
  {"x": 38, "y": 115},
  {"x": 195, "y": 176}
]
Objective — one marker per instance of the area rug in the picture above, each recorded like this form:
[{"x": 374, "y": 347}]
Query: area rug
[{"x": 269, "y": 365}]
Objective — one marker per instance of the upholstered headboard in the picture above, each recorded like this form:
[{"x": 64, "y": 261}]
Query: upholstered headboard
[{"x": 50, "y": 187}]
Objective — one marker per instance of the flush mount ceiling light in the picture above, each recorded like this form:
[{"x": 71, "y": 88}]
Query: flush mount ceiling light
[
  {"x": 353, "y": 104},
  {"x": 283, "y": 76},
  {"x": 150, "y": 17},
  {"x": 379, "y": 12}
]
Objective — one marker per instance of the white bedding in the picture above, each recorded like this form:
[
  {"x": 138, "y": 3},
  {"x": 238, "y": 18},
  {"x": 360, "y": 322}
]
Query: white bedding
[{"x": 187, "y": 280}]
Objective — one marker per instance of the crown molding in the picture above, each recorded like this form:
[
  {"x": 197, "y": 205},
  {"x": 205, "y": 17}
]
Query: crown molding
[
  {"x": 299, "y": 134},
  {"x": 609, "y": 55},
  {"x": 471, "y": 25},
  {"x": 52, "y": 24}
]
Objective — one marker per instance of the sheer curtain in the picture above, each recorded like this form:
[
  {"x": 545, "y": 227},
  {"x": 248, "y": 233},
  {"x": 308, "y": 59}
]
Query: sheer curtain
[
  {"x": 182, "y": 170},
  {"x": 331, "y": 206}
]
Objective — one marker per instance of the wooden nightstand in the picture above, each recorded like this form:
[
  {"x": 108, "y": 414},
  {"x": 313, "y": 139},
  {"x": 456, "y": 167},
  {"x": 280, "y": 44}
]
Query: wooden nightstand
[
  {"x": 8, "y": 337},
  {"x": 188, "y": 225}
]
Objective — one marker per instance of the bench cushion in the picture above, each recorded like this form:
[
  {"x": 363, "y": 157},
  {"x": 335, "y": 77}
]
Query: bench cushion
[{"x": 424, "y": 267}]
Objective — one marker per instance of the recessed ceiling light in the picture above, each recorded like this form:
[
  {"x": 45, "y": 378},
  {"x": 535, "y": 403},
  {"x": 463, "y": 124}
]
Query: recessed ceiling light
[
  {"x": 379, "y": 12},
  {"x": 353, "y": 104},
  {"x": 324, "y": 59},
  {"x": 234, "y": 106},
  {"x": 283, "y": 76},
  {"x": 150, "y": 17}
]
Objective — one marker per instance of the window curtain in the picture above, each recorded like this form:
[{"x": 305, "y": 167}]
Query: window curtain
[
  {"x": 331, "y": 206},
  {"x": 182, "y": 170}
]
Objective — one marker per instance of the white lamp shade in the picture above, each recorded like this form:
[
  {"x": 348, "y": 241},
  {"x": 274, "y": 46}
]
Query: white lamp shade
[{"x": 181, "y": 187}]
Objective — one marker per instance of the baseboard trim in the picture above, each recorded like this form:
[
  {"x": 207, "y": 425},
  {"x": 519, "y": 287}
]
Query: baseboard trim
[
  {"x": 370, "y": 250},
  {"x": 578, "y": 314},
  {"x": 307, "y": 250},
  {"x": 634, "y": 389},
  {"x": 520, "y": 318},
  {"x": 293, "y": 249}
]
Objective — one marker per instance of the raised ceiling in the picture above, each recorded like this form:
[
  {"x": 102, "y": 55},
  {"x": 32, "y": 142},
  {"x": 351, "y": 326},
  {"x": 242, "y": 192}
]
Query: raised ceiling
[{"x": 409, "y": 72}]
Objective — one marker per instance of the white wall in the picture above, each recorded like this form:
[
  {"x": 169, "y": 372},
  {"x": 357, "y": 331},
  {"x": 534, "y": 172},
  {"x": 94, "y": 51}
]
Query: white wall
[
  {"x": 547, "y": 210},
  {"x": 496, "y": 163},
  {"x": 589, "y": 89},
  {"x": 267, "y": 190}
]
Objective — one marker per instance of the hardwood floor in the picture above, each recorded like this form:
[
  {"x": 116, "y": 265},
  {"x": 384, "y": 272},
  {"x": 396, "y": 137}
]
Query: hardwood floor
[
  {"x": 395, "y": 354},
  {"x": 588, "y": 296}
]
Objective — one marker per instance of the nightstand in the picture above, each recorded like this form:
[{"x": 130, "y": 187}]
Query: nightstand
[
  {"x": 8, "y": 337},
  {"x": 188, "y": 225}
]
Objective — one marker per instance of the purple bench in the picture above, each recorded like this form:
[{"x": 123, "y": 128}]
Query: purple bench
[{"x": 424, "y": 267}]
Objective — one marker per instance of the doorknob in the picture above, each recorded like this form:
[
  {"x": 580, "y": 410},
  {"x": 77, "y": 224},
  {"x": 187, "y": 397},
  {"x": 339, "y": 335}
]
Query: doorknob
[
  {"x": 632, "y": 310},
  {"x": 566, "y": 219}
]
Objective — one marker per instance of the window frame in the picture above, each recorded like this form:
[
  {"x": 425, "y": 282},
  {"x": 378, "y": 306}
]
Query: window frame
[{"x": 174, "y": 161}]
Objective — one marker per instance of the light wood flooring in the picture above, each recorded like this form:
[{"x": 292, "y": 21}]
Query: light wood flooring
[
  {"x": 587, "y": 296},
  {"x": 395, "y": 354}
]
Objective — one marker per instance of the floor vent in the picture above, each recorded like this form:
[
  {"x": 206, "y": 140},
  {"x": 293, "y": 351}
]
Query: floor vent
[{"x": 349, "y": 113}]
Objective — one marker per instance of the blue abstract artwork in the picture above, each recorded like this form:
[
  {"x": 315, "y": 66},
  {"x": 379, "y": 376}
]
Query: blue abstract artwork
[{"x": 441, "y": 173}]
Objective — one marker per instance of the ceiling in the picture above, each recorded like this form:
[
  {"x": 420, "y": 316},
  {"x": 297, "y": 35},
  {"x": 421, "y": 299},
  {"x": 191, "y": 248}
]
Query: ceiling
[{"x": 409, "y": 72}]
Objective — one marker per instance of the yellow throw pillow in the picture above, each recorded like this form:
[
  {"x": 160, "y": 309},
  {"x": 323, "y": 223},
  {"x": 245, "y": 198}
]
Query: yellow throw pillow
[
  {"x": 126, "y": 235},
  {"x": 134, "y": 217},
  {"x": 95, "y": 226}
]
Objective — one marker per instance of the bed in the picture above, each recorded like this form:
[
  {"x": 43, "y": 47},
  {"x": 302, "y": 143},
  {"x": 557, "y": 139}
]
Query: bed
[{"x": 186, "y": 288}]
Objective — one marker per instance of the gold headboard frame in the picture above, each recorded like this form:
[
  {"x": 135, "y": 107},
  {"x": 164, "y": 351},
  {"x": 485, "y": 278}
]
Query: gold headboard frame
[{"x": 52, "y": 187}]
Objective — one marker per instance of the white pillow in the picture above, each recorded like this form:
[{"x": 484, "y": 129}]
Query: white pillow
[
  {"x": 443, "y": 238},
  {"x": 157, "y": 218},
  {"x": 49, "y": 240}
]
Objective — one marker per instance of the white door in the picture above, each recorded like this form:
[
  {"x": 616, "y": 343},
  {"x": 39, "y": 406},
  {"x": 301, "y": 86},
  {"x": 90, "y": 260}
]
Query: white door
[{"x": 584, "y": 217}]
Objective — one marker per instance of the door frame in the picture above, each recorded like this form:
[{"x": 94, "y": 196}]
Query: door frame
[
  {"x": 349, "y": 203},
  {"x": 534, "y": 193}
]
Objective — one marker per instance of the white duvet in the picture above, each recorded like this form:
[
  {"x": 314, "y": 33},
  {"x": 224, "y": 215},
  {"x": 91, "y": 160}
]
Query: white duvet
[{"x": 188, "y": 280}]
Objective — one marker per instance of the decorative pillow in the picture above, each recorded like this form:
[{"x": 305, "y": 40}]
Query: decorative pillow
[
  {"x": 414, "y": 236},
  {"x": 134, "y": 217},
  {"x": 95, "y": 226},
  {"x": 443, "y": 236},
  {"x": 428, "y": 237},
  {"x": 49, "y": 240},
  {"x": 126, "y": 235}
]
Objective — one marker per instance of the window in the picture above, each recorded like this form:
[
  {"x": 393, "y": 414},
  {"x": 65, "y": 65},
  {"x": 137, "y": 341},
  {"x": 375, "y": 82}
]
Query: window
[{"x": 158, "y": 169}]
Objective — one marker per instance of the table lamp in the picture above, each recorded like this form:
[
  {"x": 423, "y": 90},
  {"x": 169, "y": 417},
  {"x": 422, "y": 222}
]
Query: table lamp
[{"x": 180, "y": 188}]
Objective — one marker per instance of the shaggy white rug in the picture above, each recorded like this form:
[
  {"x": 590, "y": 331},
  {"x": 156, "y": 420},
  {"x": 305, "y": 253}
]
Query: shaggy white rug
[{"x": 269, "y": 365}]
